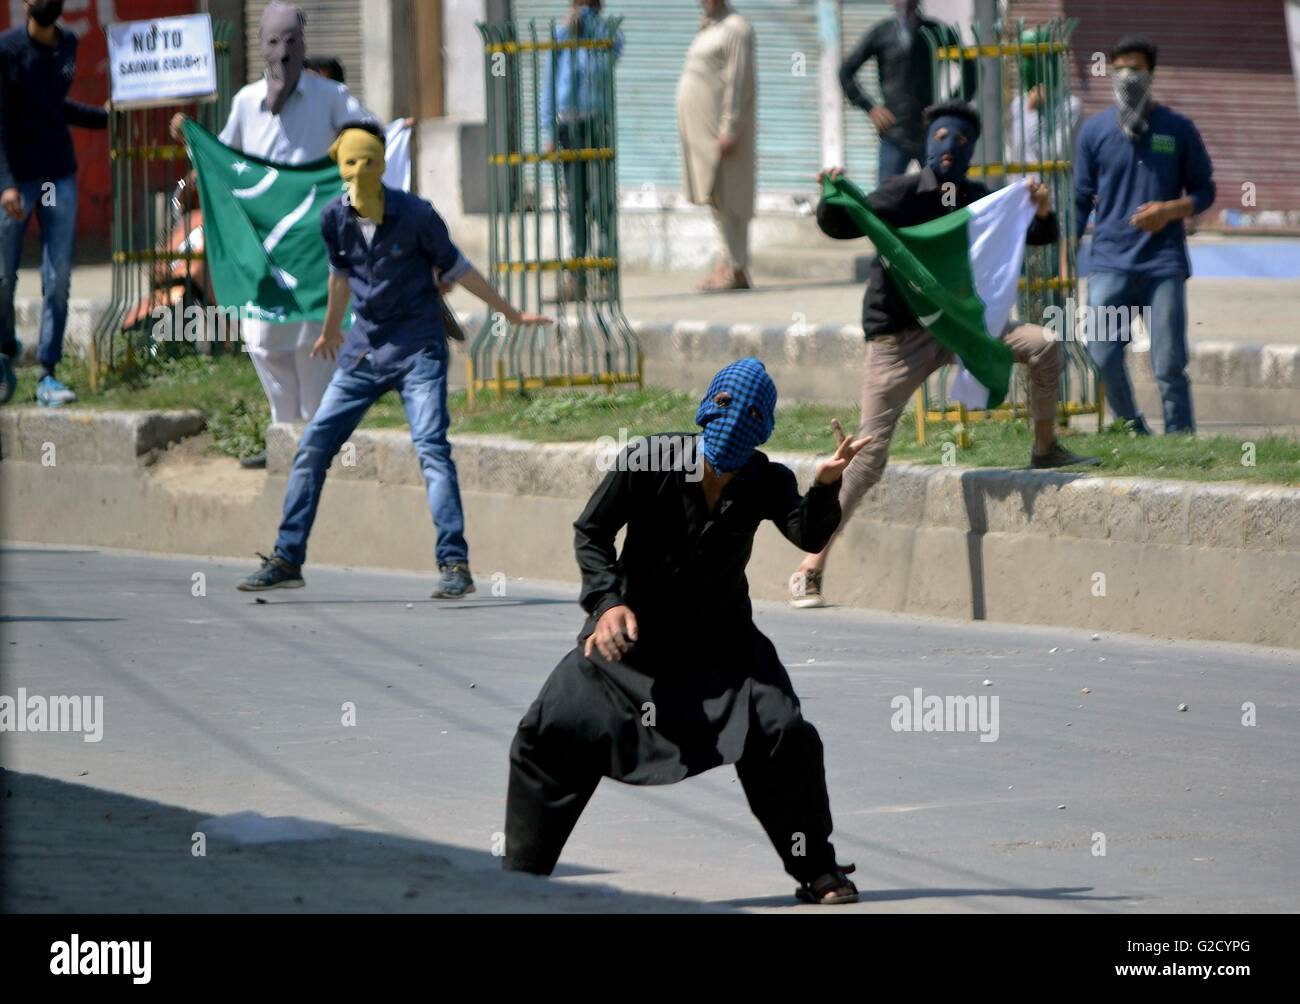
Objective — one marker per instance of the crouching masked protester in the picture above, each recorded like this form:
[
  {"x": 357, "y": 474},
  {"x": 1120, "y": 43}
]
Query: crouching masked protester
[{"x": 670, "y": 676}]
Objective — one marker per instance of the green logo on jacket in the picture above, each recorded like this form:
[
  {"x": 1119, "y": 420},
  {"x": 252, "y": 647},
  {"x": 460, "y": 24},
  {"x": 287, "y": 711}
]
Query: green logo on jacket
[{"x": 1160, "y": 143}]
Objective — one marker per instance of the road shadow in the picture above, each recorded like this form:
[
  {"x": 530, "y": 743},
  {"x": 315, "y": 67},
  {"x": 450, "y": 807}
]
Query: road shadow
[
  {"x": 465, "y": 603},
  {"x": 69, "y": 848},
  {"x": 18, "y": 619},
  {"x": 977, "y": 486}
]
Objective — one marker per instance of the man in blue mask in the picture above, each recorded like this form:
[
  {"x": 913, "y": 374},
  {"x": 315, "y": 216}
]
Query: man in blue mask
[
  {"x": 903, "y": 352},
  {"x": 670, "y": 676}
]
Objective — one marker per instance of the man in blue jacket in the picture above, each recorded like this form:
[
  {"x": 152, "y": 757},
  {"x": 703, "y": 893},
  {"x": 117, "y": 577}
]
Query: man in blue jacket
[
  {"x": 1141, "y": 169},
  {"x": 38, "y": 177}
]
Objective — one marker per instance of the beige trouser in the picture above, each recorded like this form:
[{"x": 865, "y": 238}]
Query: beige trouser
[
  {"x": 734, "y": 231},
  {"x": 899, "y": 364}
]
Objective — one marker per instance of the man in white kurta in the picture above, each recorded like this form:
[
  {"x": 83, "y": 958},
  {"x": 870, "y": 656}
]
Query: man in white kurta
[
  {"x": 309, "y": 119},
  {"x": 717, "y": 120}
]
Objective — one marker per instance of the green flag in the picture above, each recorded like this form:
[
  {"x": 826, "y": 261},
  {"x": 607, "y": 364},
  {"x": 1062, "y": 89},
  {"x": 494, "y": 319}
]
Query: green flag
[
  {"x": 261, "y": 229},
  {"x": 959, "y": 273}
]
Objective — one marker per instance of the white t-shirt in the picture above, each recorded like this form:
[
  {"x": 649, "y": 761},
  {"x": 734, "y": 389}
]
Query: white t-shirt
[{"x": 304, "y": 130}]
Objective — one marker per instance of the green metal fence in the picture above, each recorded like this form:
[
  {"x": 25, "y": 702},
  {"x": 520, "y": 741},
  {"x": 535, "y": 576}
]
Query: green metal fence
[
  {"x": 153, "y": 212},
  {"x": 1024, "y": 84},
  {"x": 552, "y": 190}
]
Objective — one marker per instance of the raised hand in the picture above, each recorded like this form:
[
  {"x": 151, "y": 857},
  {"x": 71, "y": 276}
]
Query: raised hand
[{"x": 830, "y": 471}]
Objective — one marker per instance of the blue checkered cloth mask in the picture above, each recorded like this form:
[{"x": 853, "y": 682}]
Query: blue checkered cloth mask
[{"x": 732, "y": 431}]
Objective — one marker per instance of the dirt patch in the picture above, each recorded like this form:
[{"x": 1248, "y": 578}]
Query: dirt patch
[{"x": 194, "y": 466}]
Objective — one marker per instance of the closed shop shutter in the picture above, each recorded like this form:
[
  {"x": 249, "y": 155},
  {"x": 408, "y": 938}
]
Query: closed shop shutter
[
  {"x": 333, "y": 29},
  {"x": 1225, "y": 64},
  {"x": 657, "y": 34},
  {"x": 861, "y": 141}
]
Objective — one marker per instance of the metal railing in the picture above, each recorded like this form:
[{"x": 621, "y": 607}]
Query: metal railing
[
  {"x": 155, "y": 212},
  {"x": 552, "y": 195}
]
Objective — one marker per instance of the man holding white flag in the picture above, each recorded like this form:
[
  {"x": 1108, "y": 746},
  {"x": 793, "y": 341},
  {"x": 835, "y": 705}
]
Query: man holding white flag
[{"x": 941, "y": 288}]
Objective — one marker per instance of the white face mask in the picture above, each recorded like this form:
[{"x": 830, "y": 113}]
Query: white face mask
[{"x": 1132, "y": 88}]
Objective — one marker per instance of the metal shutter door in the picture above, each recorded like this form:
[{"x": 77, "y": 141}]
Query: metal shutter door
[
  {"x": 789, "y": 104},
  {"x": 861, "y": 141},
  {"x": 333, "y": 29},
  {"x": 656, "y": 35}
]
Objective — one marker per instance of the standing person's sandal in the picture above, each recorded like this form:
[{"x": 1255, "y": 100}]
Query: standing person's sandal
[{"x": 832, "y": 889}]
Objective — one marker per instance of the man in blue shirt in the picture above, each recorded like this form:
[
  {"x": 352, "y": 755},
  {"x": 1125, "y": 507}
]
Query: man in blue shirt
[
  {"x": 1140, "y": 170},
  {"x": 389, "y": 252},
  {"x": 573, "y": 118},
  {"x": 38, "y": 176}
]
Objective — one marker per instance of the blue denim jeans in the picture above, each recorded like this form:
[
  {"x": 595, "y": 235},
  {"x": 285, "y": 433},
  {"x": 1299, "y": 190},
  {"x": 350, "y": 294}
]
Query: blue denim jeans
[
  {"x": 893, "y": 160},
  {"x": 1166, "y": 298},
  {"x": 58, "y": 223},
  {"x": 423, "y": 390}
]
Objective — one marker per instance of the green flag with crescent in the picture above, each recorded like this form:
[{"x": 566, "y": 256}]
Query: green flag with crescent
[{"x": 261, "y": 229}]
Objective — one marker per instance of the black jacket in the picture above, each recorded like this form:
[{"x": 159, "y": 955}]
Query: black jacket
[
  {"x": 682, "y": 570},
  {"x": 906, "y": 201},
  {"x": 35, "y": 110},
  {"x": 906, "y": 78}
]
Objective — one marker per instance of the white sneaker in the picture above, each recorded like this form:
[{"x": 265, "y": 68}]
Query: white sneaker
[{"x": 806, "y": 589}]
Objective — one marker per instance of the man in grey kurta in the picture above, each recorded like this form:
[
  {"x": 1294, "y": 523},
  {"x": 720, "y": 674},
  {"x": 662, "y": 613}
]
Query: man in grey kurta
[{"x": 717, "y": 100}]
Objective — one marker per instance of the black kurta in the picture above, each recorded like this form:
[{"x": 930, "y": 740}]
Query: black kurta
[{"x": 701, "y": 687}]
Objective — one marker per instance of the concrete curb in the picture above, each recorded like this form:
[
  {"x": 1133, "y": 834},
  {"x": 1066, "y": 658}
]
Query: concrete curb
[
  {"x": 1170, "y": 559},
  {"x": 974, "y": 500},
  {"x": 92, "y": 437}
]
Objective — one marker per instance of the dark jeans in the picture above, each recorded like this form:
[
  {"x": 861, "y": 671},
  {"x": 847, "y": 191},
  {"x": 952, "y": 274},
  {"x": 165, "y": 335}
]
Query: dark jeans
[
  {"x": 581, "y": 181},
  {"x": 894, "y": 159},
  {"x": 423, "y": 389},
  {"x": 56, "y": 212},
  {"x": 1165, "y": 300}
]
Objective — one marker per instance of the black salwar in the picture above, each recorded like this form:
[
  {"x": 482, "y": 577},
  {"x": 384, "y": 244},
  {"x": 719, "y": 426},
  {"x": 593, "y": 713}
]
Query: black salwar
[{"x": 701, "y": 687}]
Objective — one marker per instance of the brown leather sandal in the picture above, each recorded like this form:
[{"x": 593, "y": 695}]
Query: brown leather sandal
[{"x": 832, "y": 889}]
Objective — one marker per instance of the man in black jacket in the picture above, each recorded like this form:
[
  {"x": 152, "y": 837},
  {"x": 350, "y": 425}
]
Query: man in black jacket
[
  {"x": 38, "y": 177},
  {"x": 670, "y": 676},
  {"x": 905, "y": 64},
  {"x": 903, "y": 353}
]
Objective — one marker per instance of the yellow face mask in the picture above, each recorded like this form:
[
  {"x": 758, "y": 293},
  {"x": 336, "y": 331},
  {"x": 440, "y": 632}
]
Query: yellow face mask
[{"x": 360, "y": 157}]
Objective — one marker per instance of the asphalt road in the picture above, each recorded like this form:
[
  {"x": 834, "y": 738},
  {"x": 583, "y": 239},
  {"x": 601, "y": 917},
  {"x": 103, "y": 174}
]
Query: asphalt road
[{"x": 216, "y": 704}]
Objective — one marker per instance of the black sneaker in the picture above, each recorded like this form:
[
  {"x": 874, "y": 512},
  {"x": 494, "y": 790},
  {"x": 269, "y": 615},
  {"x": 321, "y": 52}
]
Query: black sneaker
[
  {"x": 454, "y": 583},
  {"x": 275, "y": 573},
  {"x": 1059, "y": 456},
  {"x": 257, "y": 462}
]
